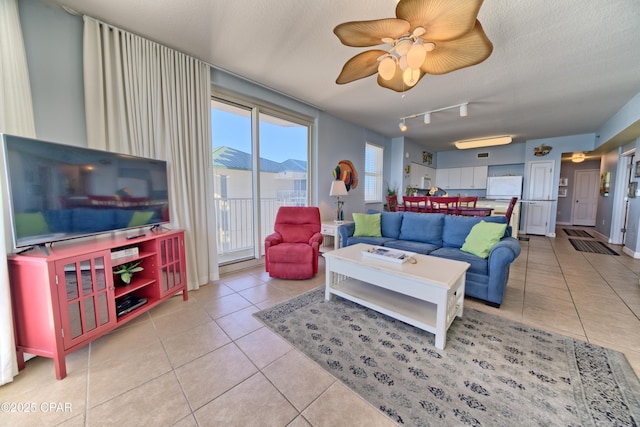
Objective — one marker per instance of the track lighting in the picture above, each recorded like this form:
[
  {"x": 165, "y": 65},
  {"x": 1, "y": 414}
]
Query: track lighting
[{"x": 427, "y": 115}]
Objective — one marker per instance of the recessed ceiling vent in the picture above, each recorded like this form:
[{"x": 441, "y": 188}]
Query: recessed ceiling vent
[{"x": 483, "y": 155}]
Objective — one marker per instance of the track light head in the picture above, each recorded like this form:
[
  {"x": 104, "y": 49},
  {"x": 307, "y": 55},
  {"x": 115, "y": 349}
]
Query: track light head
[{"x": 427, "y": 114}]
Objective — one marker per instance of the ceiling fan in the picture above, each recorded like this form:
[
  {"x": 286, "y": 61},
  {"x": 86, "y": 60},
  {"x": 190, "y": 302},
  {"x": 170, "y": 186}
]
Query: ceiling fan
[{"x": 427, "y": 37}]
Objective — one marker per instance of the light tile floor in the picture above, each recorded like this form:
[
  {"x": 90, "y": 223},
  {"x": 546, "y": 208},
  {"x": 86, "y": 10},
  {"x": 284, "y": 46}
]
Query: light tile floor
[{"x": 208, "y": 362}]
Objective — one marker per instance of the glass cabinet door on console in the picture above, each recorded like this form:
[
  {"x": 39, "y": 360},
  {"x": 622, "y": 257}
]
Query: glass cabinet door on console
[
  {"x": 87, "y": 296},
  {"x": 171, "y": 264}
]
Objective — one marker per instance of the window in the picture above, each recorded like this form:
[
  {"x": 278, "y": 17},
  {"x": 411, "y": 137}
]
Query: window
[
  {"x": 373, "y": 173},
  {"x": 250, "y": 187}
]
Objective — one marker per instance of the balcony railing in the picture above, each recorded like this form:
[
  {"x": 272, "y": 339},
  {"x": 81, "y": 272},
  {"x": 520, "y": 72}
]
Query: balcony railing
[{"x": 235, "y": 224}]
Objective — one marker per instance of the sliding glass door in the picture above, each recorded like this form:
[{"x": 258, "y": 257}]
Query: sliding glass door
[{"x": 260, "y": 162}]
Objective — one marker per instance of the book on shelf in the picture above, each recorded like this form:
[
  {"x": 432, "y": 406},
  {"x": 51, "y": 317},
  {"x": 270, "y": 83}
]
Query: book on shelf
[{"x": 124, "y": 253}]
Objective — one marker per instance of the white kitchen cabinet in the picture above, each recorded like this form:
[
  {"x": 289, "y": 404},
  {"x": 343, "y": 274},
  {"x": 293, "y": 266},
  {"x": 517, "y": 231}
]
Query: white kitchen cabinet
[
  {"x": 422, "y": 176},
  {"x": 480, "y": 174},
  {"x": 537, "y": 217},
  {"x": 455, "y": 177},
  {"x": 468, "y": 178},
  {"x": 474, "y": 178},
  {"x": 442, "y": 178}
]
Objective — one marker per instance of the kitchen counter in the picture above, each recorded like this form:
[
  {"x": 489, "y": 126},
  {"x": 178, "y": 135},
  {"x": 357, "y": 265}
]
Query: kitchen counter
[{"x": 499, "y": 207}]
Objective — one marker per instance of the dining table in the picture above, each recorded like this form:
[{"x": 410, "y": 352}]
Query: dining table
[{"x": 471, "y": 211}]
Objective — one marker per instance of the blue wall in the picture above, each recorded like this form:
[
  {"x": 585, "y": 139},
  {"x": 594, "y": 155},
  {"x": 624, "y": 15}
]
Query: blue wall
[{"x": 53, "y": 41}]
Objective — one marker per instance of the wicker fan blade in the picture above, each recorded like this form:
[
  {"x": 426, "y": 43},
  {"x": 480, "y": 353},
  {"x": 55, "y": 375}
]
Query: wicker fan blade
[
  {"x": 442, "y": 19},
  {"x": 396, "y": 83},
  {"x": 370, "y": 33},
  {"x": 470, "y": 49},
  {"x": 362, "y": 65}
]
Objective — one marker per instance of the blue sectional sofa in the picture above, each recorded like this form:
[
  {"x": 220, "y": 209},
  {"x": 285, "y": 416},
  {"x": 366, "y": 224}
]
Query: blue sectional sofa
[{"x": 443, "y": 235}]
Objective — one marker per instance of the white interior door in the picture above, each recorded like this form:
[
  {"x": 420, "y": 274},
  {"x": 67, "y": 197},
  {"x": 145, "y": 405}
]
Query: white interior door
[
  {"x": 585, "y": 197},
  {"x": 540, "y": 180},
  {"x": 537, "y": 205}
]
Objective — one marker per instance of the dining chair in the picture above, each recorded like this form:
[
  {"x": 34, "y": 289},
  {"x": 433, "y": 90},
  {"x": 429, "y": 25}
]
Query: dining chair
[
  {"x": 447, "y": 205},
  {"x": 415, "y": 203},
  {"x": 512, "y": 204},
  {"x": 467, "y": 201}
]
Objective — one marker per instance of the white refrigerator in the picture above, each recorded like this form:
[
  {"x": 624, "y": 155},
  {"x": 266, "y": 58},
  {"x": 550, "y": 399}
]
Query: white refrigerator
[{"x": 504, "y": 187}]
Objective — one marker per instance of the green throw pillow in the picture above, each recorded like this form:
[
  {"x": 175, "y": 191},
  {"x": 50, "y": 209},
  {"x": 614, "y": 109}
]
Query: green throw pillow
[
  {"x": 29, "y": 224},
  {"x": 483, "y": 237},
  {"x": 367, "y": 225},
  {"x": 140, "y": 218}
]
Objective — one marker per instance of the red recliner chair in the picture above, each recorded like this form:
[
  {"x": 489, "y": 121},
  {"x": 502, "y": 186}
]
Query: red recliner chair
[{"x": 291, "y": 252}]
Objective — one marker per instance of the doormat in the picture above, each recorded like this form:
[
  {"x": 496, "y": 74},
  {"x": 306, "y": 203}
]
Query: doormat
[
  {"x": 576, "y": 233},
  {"x": 592, "y": 246}
]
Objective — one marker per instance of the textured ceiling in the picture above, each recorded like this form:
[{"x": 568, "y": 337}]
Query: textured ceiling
[{"x": 558, "y": 67}]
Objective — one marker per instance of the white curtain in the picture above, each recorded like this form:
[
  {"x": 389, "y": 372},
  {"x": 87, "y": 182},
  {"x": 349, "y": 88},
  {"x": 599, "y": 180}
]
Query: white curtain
[
  {"x": 16, "y": 117},
  {"x": 145, "y": 99}
]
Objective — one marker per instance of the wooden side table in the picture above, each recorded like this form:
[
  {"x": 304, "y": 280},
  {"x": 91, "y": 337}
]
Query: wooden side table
[{"x": 330, "y": 228}]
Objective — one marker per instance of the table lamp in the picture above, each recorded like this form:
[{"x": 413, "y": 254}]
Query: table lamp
[{"x": 338, "y": 189}]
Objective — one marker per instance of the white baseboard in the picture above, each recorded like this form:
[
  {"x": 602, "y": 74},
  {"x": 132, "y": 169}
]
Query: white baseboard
[{"x": 631, "y": 253}]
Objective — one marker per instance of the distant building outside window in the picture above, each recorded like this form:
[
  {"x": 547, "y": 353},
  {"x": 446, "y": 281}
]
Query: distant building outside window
[{"x": 373, "y": 173}]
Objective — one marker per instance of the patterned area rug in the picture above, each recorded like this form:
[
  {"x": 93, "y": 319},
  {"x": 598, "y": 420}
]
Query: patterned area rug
[
  {"x": 491, "y": 372},
  {"x": 576, "y": 233},
  {"x": 592, "y": 246}
]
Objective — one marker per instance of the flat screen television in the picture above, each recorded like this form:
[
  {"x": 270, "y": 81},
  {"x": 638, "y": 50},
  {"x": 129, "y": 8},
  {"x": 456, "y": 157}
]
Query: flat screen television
[{"x": 59, "y": 192}]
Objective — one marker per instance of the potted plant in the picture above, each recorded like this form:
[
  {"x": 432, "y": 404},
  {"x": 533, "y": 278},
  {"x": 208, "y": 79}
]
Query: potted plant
[
  {"x": 411, "y": 190},
  {"x": 125, "y": 271},
  {"x": 391, "y": 191}
]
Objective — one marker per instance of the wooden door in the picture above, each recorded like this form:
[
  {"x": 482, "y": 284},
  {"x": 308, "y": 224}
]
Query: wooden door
[{"x": 585, "y": 197}]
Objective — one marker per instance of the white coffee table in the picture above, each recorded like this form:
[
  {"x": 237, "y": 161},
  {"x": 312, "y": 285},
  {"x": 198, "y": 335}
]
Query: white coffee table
[{"x": 428, "y": 294}]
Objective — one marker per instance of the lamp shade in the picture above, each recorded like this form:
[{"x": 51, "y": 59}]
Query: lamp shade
[{"x": 338, "y": 188}]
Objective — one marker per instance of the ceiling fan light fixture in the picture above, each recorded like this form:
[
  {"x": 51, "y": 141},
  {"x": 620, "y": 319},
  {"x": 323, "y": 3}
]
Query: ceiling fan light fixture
[
  {"x": 416, "y": 55},
  {"x": 410, "y": 76},
  {"x": 387, "y": 68},
  {"x": 448, "y": 28},
  {"x": 403, "y": 46},
  {"x": 429, "y": 46},
  {"x": 483, "y": 142}
]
